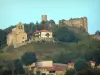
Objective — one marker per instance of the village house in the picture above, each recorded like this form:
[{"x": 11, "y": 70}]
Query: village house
[
  {"x": 98, "y": 66},
  {"x": 70, "y": 65},
  {"x": 60, "y": 68},
  {"x": 92, "y": 64},
  {"x": 42, "y": 35},
  {"x": 46, "y": 67},
  {"x": 17, "y": 35}
]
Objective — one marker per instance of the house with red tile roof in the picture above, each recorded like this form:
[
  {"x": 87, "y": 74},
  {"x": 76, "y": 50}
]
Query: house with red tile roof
[
  {"x": 92, "y": 64},
  {"x": 39, "y": 35},
  {"x": 70, "y": 65},
  {"x": 60, "y": 68},
  {"x": 49, "y": 68},
  {"x": 43, "y": 34}
]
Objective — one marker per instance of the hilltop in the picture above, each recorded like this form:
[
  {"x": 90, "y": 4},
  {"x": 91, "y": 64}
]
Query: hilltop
[
  {"x": 71, "y": 42},
  {"x": 57, "y": 51}
]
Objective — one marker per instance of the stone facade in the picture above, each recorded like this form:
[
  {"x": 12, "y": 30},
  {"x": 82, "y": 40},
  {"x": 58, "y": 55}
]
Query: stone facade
[
  {"x": 76, "y": 22},
  {"x": 17, "y": 36}
]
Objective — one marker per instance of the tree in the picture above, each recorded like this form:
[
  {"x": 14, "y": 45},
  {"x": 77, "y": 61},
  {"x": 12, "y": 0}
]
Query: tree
[
  {"x": 27, "y": 28},
  {"x": 97, "y": 71},
  {"x": 37, "y": 23},
  {"x": 64, "y": 35},
  {"x": 44, "y": 25},
  {"x": 87, "y": 71},
  {"x": 3, "y": 38},
  {"x": 43, "y": 22},
  {"x": 11, "y": 66},
  {"x": 52, "y": 22},
  {"x": 31, "y": 23},
  {"x": 83, "y": 68},
  {"x": 97, "y": 32},
  {"x": 9, "y": 29},
  {"x": 62, "y": 22},
  {"x": 18, "y": 67},
  {"x": 80, "y": 65},
  {"x": 28, "y": 58},
  {"x": 63, "y": 57},
  {"x": 93, "y": 55},
  {"x": 7, "y": 72},
  {"x": 34, "y": 28},
  {"x": 70, "y": 72},
  {"x": 96, "y": 56}
]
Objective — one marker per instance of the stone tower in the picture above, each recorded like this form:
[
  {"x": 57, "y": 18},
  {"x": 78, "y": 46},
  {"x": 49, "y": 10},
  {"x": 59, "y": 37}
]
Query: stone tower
[
  {"x": 44, "y": 17},
  {"x": 85, "y": 23}
]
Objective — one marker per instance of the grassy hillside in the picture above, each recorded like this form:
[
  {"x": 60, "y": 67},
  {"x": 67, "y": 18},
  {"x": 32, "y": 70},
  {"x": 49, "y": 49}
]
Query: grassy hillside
[
  {"x": 60, "y": 51},
  {"x": 72, "y": 51},
  {"x": 40, "y": 48}
]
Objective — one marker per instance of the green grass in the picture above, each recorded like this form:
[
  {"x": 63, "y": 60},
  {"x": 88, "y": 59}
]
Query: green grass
[{"x": 52, "y": 50}]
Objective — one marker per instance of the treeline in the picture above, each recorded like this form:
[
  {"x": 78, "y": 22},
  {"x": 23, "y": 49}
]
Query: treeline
[
  {"x": 58, "y": 31},
  {"x": 61, "y": 33},
  {"x": 3, "y": 38}
]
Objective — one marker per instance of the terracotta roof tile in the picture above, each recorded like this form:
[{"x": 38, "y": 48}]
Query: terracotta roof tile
[
  {"x": 45, "y": 30},
  {"x": 48, "y": 68}
]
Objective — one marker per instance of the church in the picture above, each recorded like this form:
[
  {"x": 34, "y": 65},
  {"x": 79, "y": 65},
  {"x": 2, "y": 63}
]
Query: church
[{"x": 17, "y": 35}]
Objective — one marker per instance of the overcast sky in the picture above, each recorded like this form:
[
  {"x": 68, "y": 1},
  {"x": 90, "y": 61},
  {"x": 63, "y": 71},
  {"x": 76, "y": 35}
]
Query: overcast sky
[{"x": 26, "y": 11}]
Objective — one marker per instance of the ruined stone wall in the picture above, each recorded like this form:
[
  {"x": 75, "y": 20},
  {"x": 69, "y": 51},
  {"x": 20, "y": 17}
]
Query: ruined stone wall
[
  {"x": 76, "y": 22},
  {"x": 85, "y": 23}
]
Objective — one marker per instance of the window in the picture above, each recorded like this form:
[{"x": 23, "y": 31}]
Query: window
[
  {"x": 22, "y": 41},
  {"x": 22, "y": 37},
  {"x": 43, "y": 74},
  {"x": 47, "y": 34},
  {"x": 53, "y": 71},
  {"x": 21, "y": 27}
]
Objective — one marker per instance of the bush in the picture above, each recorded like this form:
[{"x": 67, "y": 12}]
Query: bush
[
  {"x": 70, "y": 72},
  {"x": 28, "y": 58},
  {"x": 80, "y": 65},
  {"x": 64, "y": 35}
]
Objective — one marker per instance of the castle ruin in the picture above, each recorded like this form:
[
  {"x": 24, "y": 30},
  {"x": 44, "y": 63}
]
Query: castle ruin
[{"x": 76, "y": 22}]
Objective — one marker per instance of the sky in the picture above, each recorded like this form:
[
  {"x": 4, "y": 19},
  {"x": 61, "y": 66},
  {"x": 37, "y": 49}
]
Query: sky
[{"x": 26, "y": 11}]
